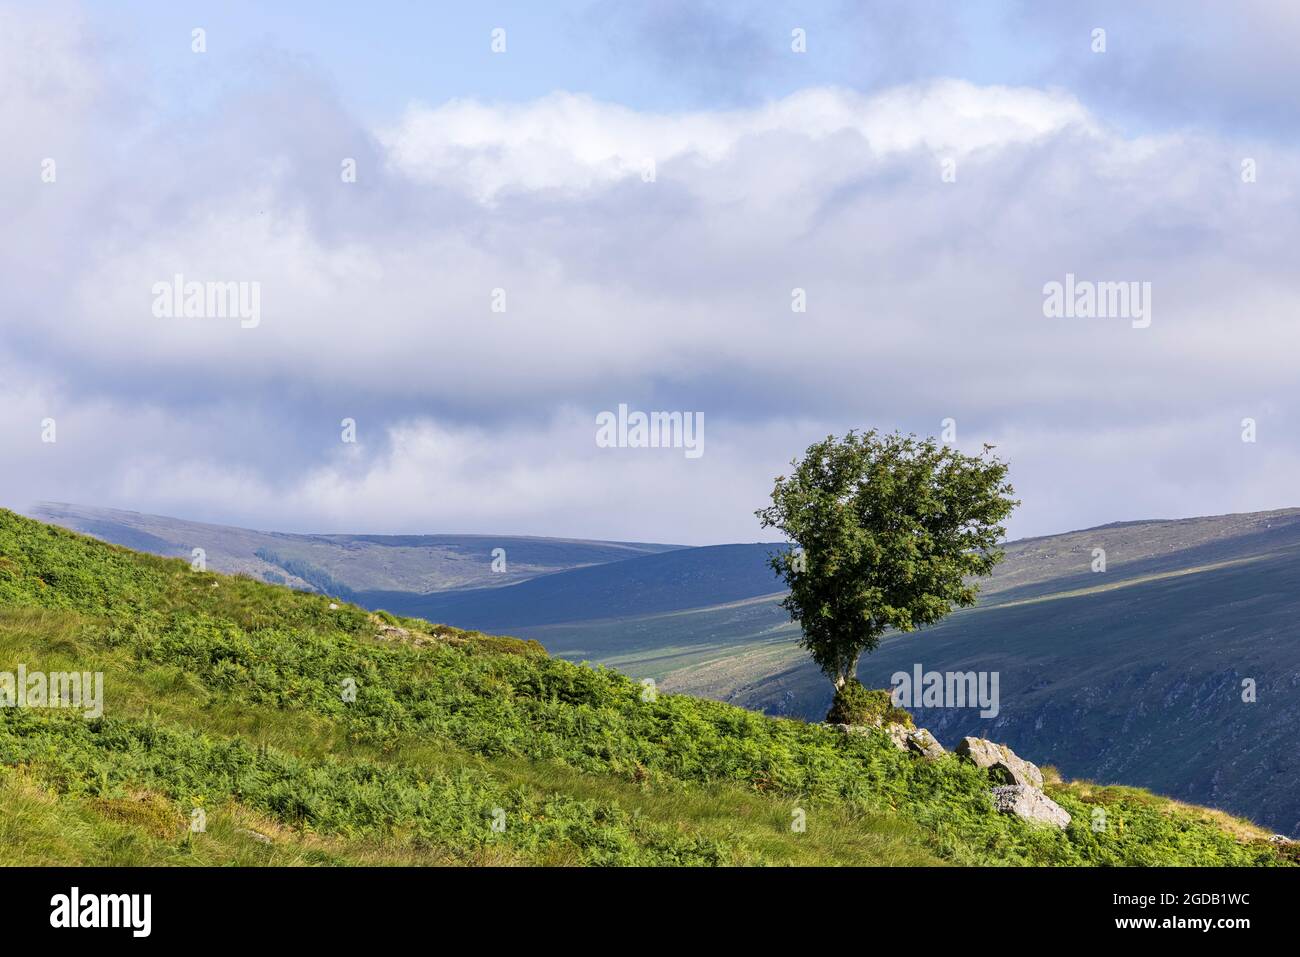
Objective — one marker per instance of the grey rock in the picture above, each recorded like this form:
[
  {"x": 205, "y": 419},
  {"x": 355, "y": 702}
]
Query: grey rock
[
  {"x": 922, "y": 742},
  {"x": 853, "y": 728},
  {"x": 1030, "y": 804},
  {"x": 1003, "y": 764},
  {"x": 914, "y": 740},
  {"x": 898, "y": 734}
]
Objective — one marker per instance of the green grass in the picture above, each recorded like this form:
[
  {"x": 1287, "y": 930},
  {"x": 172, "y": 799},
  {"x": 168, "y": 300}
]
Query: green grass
[{"x": 227, "y": 695}]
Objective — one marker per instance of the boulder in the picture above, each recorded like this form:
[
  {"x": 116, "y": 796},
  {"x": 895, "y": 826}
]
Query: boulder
[
  {"x": 922, "y": 742},
  {"x": 854, "y": 728},
  {"x": 914, "y": 740},
  {"x": 1029, "y": 803},
  {"x": 1003, "y": 764},
  {"x": 898, "y": 734}
]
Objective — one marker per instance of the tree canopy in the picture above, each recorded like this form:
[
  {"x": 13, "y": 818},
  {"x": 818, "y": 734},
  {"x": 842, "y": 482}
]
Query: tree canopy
[{"x": 891, "y": 532}]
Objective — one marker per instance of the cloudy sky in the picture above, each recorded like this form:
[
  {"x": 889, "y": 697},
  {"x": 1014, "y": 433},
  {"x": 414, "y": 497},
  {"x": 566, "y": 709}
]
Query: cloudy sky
[{"x": 920, "y": 172}]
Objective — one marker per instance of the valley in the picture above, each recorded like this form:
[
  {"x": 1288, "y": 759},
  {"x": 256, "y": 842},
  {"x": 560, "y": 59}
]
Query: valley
[{"x": 1133, "y": 675}]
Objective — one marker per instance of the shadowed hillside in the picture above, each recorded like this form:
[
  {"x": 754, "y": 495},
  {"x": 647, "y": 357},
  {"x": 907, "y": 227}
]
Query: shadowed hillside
[
  {"x": 645, "y": 585},
  {"x": 1131, "y": 675},
  {"x": 1139, "y": 682},
  {"x": 305, "y": 731}
]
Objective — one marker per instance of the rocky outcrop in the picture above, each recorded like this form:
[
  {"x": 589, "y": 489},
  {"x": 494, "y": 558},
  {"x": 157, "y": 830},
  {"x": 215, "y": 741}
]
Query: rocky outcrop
[
  {"x": 386, "y": 632},
  {"x": 917, "y": 741},
  {"x": 389, "y": 632},
  {"x": 1022, "y": 793},
  {"x": 922, "y": 742},
  {"x": 1003, "y": 764},
  {"x": 855, "y": 728},
  {"x": 1021, "y": 790},
  {"x": 1030, "y": 804}
]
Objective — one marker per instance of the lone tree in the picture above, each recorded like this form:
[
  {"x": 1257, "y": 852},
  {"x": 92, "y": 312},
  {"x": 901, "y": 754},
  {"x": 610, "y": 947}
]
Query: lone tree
[{"x": 890, "y": 531}]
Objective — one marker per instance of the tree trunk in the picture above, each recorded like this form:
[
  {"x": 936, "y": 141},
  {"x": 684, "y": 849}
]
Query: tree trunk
[{"x": 850, "y": 671}]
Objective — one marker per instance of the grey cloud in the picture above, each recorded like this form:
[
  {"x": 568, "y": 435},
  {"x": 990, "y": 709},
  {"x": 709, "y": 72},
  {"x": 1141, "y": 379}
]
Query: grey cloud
[
  {"x": 1176, "y": 62},
  {"x": 924, "y": 302}
]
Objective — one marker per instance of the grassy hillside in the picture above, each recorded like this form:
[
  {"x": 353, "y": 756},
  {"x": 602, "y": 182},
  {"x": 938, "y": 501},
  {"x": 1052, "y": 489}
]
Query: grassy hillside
[
  {"x": 1139, "y": 682},
  {"x": 1184, "y": 609},
  {"x": 223, "y": 693},
  {"x": 1129, "y": 675}
]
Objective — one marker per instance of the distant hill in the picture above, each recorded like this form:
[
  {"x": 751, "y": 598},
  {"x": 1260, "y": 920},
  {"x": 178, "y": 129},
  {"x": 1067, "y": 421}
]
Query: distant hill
[
  {"x": 314, "y": 732},
  {"x": 644, "y": 585},
  {"x": 1129, "y": 675},
  {"x": 344, "y": 564}
]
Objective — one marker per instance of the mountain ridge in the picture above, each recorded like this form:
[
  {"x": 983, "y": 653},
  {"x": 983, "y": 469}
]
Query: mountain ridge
[
  {"x": 359, "y": 562},
  {"x": 454, "y": 747},
  {"x": 1169, "y": 585}
]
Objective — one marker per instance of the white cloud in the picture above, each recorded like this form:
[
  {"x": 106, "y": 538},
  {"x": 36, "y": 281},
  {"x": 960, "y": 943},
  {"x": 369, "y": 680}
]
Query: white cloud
[
  {"x": 924, "y": 302},
  {"x": 574, "y": 143}
]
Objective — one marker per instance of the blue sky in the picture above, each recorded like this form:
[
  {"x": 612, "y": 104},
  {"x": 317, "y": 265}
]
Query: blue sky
[
  {"x": 1168, "y": 63},
  {"x": 662, "y": 56},
  {"x": 525, "y": 172}
]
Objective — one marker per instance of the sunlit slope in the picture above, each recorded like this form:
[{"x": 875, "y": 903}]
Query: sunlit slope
[
  {"x": 345, "y": 564},
  {"x": 1175, "y": 598},
  {"x": 1132, "y": 674},
  {"x": 311, "y": 731}
]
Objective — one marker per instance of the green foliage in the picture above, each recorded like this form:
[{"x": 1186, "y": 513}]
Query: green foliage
[
  {"x": 891, "y": 529},
  {"x": 445, "y": 807},
  {"x": 229, "y": 698},
  {"x": 856, "y": 704}
]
